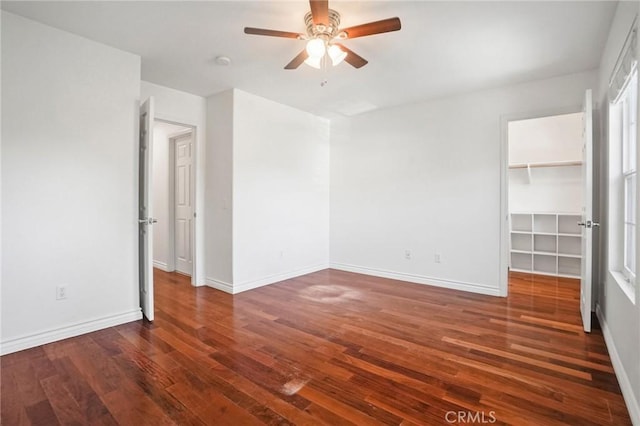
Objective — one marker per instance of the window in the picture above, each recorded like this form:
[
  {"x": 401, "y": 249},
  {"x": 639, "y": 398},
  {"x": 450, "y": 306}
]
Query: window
[
  {"x": 628, "y": 121},
  {"x": 623, "y": 175}
]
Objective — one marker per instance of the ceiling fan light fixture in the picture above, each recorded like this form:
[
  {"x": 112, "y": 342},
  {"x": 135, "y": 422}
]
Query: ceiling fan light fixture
[
  {"x": 336, "y": 54},
  {"x": 316, "y": 48},
  {"x": 315, "y": 62}
]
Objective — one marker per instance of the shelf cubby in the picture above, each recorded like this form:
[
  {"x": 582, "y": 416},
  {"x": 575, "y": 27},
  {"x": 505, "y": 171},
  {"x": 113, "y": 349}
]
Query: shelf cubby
[
  {"x": 545, "y": 264},
  {"x": 521, "y": 242},
  {"x": 545, "y": 223},
  {"x": 521, "y": 222},
  {"x": 569, "y": 266},
  {"x": 545, "y": 243},
  {"x": 568, "y": 224},
  {"x": 521, "y": 262},
  {"x": 569, "y": 245}
]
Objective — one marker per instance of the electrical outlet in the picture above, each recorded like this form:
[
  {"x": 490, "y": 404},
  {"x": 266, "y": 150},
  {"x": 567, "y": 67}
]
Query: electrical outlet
[
  {"x": 61, "y": 292},
  {"x": 407, "y": 254},
  {"x": 436, "y": 258}
]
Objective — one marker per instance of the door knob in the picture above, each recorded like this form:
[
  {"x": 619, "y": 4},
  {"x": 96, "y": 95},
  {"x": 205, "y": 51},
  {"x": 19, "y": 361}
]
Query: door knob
[
  {"x": 148, "y": 221},
  {"x": 588, "y": 224}
]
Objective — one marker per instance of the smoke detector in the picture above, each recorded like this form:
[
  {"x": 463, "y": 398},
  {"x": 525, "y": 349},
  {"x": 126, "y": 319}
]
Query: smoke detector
[{"x": 223, "y": 60}]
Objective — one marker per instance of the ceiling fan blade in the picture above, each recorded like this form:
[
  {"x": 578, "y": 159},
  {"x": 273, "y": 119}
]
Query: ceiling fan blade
[
  {"x": 384, "y": 26},
  {"x": 320, "y": 11},
  {"x": 353, "y": 58},
  {"x": 297, "y": 61},
  {"x": 272, "y": 33}
]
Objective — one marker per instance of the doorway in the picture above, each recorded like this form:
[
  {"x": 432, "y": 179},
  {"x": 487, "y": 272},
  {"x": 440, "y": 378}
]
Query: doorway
[
  {"x": 173, "y": 194},
  {"x": 546, "y": 195},
  {"x": 553, "y": 233}
]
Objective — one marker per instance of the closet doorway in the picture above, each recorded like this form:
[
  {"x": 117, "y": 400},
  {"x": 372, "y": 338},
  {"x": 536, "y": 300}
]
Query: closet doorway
[{"x": 546, "y": 195}]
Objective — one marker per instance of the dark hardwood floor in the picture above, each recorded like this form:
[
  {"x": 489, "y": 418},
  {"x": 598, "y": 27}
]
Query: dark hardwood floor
[{"x": 327, "y": 348}]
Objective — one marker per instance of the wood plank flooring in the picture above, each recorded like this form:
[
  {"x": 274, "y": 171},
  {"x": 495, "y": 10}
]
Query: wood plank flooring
[{"x": 332, "y": 348}]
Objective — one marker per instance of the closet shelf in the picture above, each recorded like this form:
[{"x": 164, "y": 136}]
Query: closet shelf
[
  {"x": 573, "y": 256},
  {"x": 545, "y": 253}
]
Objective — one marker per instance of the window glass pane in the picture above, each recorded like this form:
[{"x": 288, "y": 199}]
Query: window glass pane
[
  {"x": 630, "y": 198},
  {"x": 633, "y": 132},
  {"x": 626, "y": 165},
  {"x": 632, "y": 135},
  {"x": 633, "y": 116},
  {"x": 630, "y": 248},
  {"x": 629, "y": 119},
  {"x": 633, "y": 98}
]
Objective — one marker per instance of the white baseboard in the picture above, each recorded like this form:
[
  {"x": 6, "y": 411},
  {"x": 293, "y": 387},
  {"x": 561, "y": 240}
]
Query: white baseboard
[
  {"x": 623, "y": 379},
  {"x": 53, "y": 335},
  {"x": 161, "y": 265},
  {"x": 249, "y": 285},
  {"x": 219, "y": 285},
  {"x": 418, "y": 279}
]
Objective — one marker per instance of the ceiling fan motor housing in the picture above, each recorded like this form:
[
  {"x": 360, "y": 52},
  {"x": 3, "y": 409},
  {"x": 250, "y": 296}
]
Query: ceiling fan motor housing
[{"x": 328, "y": 31}]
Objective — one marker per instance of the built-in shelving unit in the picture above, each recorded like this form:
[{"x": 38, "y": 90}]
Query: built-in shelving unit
[{"x": 546, "y": 243}]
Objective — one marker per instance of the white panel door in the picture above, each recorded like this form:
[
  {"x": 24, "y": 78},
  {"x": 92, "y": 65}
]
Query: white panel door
[
  {"x": 184, "y": 203},
  {"x": 145, "y": 219},
  {"x": 587, "y": 213}
]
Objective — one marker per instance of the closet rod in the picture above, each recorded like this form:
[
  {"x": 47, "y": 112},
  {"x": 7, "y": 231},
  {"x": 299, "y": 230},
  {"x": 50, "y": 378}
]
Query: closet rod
[{"x": 547, "y": 164}]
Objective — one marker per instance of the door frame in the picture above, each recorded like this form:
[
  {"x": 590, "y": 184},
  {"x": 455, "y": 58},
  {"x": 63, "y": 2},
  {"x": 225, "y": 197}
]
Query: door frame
[
  {"x": 503, "y": 284},
  {"x": 193, "y": 129}
]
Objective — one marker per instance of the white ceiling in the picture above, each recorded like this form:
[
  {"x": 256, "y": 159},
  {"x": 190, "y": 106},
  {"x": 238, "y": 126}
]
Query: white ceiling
[{"x": 443, "y": 48}]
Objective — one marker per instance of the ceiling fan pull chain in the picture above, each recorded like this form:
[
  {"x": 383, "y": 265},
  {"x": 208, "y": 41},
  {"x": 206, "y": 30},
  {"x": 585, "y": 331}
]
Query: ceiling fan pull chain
[{"x": 325, "y": 71}]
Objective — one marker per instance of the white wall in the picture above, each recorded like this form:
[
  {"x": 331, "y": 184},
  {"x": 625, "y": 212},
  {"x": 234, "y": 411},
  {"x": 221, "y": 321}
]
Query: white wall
[
  {"x": 267, "y": 194},
  {"x": 219, "y": 191},
  {"x": 280, "y": 192},
  {"x": 619, "y": 316},
  {"x": 555, "y": 138},
  {"x": 546, "y": 139},
  {"x": 551, "y": 189},
  {"x": 426, "y": 178},
  {"x": 69, "y": 184},
  {"x": 184, "y": 108}
]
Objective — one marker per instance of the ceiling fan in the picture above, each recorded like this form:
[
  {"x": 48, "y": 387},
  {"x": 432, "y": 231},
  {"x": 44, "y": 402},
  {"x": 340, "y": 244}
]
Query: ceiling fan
[{"x": 324, "y": 34}]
